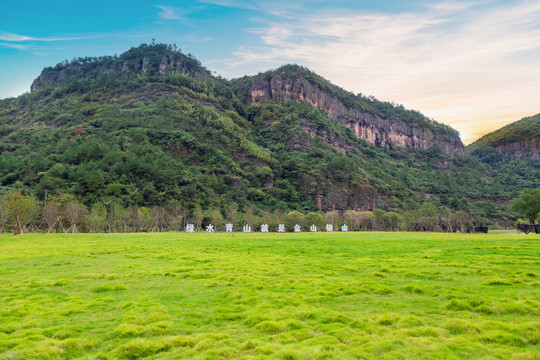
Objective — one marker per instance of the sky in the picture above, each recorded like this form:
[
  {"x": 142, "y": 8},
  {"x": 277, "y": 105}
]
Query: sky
[{"x": 474, "y": 65}]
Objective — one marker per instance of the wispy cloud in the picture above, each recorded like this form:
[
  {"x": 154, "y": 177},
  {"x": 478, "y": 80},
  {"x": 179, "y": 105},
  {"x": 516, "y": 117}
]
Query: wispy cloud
[
  {"x": 279, "y": 8},
  {"x": 458, "y": 62},
  {"x": 4, "y": 36},
  {"x": 451, "y": 5},
  {"x": 14, "y": 46},
  {"x": 170, "y": 13}
]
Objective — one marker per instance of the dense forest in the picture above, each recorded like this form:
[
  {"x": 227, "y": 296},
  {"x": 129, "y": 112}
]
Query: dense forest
[{"x": 153, "y": 129}]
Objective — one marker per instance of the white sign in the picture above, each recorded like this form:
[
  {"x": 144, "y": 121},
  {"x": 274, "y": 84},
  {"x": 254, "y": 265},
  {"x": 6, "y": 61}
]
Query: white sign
[
  {"x": 247, "y": 228},
  {"x": 344, "y": 228},
  {"x": 190, "y": 228},
  {"x": 281, "y": 228},
  {"x": 296, "y": 228},
  {"x": 210, "y": 228},
  {"x": 329, "y": 227},
  {"x": 313, "y": 228},
  {"x": 264, "y": 228},
  {"x": 228, "y": 227}
]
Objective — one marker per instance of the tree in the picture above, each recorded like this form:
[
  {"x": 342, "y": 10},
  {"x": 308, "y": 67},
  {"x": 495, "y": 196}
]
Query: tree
[
  {"x": 3, "y": 214},
  {"x": 141, "y": 218},
  {"x": 79, "y": 131},
  {"x": 378, "y": 218},
  {"x": 366, "y": 220},
  {"x": 74, "y": 212},
  {"x": 314, "y": 218},
  {"x": 392, "y": 220},
  {"x": 216, "y": 218},
  {"x": 277, "y": 218},
  {"x": 198, "y": 217},
  {"x": 116, "y": 218},
  {"x": 51, "y": 215},
  {"x": 160, "y": 218},
  {"x": 176, "y": 214},
  {"x": 429, "y": 216},
  {"x": 249, "y": 216},
  {"x": 97, "y": 218},
  {"x": 332, "y": 217},
  {"x": 20, "y": 208},
  {"x": 527, "y": 204},
  {"x": 292, "y": 218},
  {"x": 233, "y": 216},
  {"x": 352, "y": 219}
]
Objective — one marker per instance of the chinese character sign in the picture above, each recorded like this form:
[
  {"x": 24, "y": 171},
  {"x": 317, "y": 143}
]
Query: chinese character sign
[
  {"x": 296, "y": 228},
  {"x": 247, "y": 228},
  {"x": 344, "y": 228},
  {"x": 281, "y": 228},
  {"x": 228, "y": 227},
  {"x": 210, "y": 228},
  {"x": 329, "y": 227},
  {"x": 313, "y": 228},
  {"x": 190, "y": 228},
  {"x": 264, "y": 228}
]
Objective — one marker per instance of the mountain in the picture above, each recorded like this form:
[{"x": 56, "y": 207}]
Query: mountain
[
  {"x": 520, "y": 139},
  {"x": 382, "y": 124},
  {"x": 152, "y": 126},
  {"x": 160, "y": 60}
]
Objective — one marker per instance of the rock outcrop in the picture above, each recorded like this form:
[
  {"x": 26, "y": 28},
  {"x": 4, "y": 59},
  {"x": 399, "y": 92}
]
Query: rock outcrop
[
  {"x": 528, "y": 149},
  {"x": 384, "y": 133}
]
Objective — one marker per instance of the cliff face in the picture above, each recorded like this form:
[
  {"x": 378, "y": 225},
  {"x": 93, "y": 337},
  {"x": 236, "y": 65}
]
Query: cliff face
[
  {"x": 144, "y": 65},
  {"x": 528, "y": 149},
  {"x": 383, "y": 133}
]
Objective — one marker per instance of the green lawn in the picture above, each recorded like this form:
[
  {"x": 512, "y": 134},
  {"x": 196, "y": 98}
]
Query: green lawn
[{"x": 270, "y": 296}]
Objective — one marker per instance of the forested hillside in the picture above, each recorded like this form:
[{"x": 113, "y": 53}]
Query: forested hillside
[
  {"x": 520, "y": 139},
  {"x": 152, "y": 127}
]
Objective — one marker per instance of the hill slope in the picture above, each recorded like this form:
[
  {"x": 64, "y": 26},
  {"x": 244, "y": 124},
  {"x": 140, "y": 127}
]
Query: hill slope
[
  {"x": 382, "y": 124},
  {"x": 520, "y": 139},
  {"x": 107, "y": 131}
]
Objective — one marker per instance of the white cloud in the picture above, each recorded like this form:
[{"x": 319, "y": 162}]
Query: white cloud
[
  {"x": 451, "y": 5},
  {"x": 4, "y": 36},
  {"x": 461, "y": 63},
  {"x": 169, "y": 13},
  {"x": 14, "y": 46}
]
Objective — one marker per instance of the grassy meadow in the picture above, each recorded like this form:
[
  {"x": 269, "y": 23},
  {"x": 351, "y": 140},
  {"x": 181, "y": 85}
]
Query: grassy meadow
[{"x": 270, "y": 296}]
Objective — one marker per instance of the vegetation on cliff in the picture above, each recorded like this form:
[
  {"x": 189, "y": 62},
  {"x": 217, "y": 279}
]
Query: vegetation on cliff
[
  {"x": 520, "y": 139},
  {"x": 369, "y": 104}
]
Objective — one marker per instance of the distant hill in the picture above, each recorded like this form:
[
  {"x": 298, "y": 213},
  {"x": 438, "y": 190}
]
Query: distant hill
[
  {"x": 520, "y": 139},
  {"x": 153, "y": 126}
]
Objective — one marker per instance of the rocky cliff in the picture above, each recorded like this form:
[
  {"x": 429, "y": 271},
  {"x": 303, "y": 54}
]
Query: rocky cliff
[
  {"x": 382, "y": 132},
  {"x": 525, "y": 149}
]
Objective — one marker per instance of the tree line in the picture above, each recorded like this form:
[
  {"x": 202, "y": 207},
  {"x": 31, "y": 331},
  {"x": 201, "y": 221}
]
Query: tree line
[{"x": 21, "y": 212}]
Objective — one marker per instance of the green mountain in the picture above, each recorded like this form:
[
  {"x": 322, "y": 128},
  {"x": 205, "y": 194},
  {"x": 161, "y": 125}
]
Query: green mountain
[
  {"x": 152, "y": 126},
  {"x": 520, "y": 139}
]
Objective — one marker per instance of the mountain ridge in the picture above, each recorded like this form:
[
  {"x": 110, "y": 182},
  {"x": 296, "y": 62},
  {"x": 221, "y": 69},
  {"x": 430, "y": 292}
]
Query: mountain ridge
[
  {"x": 520, "y": 139},
  {"x": 384, "y": 125}
]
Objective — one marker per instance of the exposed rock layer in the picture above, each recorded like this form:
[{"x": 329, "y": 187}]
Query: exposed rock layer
[
  {"x": 383, "y": 133},
  {"x": 526, "y": 149}
]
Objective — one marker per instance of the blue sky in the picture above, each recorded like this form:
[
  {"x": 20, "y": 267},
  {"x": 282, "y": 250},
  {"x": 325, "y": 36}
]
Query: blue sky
[{"x": 474, "y": 65}]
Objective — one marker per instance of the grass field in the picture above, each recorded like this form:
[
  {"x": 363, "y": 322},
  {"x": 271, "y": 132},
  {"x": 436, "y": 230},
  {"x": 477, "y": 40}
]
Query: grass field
[{"x": 270, "y": 296}]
